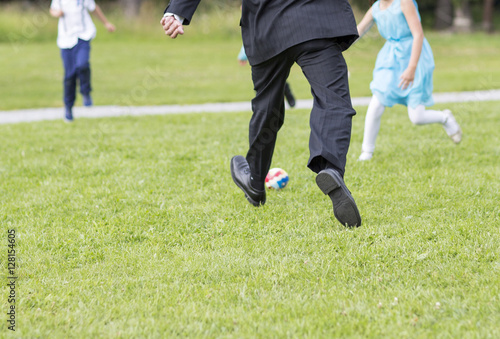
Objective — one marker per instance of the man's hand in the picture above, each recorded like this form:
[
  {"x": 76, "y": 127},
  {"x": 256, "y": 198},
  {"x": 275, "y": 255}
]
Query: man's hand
[{"x": 172, "y": 27}]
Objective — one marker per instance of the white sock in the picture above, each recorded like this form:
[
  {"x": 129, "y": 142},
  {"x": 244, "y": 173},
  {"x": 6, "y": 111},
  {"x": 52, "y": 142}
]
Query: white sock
[
  {"x": 420, "y": 116},
  {"x": 372, "y": 125},
  {"x": 451, "y": 126},
  {"x": 365, "y": 156}
]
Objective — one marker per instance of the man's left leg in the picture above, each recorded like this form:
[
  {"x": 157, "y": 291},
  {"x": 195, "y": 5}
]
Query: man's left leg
[
  {"x": 249, "y": 173},
  {"x": 268, "y": 116}
]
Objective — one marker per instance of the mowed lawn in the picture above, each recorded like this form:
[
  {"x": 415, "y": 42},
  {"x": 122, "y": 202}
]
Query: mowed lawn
[{"x": 131, "y": 227}]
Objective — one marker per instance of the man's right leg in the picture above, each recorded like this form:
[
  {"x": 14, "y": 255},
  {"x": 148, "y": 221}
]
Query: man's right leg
[{"x": 324, "y": 67}]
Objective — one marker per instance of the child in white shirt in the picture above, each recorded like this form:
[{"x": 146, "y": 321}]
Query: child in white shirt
[{"x": 75, "y": 30}]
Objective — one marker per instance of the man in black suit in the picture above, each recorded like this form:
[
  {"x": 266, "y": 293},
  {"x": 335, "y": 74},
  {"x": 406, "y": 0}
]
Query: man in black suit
[{"x": 276, "y": 34}]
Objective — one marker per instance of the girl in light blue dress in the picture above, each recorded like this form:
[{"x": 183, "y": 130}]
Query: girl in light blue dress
[{"x": 403, "y": 71}]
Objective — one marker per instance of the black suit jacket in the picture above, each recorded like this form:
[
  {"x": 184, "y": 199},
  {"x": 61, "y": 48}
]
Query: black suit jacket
[{"x": 269, "y": 27}]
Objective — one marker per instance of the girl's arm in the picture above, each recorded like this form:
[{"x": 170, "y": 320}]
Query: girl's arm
[
  {"x": 98, "y": 12},
  {"x": 365, "y": 24},
  {"x": 411, "y": 15}
]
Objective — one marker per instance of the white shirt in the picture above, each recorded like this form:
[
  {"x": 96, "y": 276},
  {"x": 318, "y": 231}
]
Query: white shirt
[
  {"x": 76, "y": 22},
  {"x": 177, "y": 17}
]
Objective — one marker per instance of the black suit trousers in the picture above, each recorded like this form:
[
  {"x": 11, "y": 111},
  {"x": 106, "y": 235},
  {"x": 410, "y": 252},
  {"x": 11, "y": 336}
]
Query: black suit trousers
[{"x": 324, "y": 66}]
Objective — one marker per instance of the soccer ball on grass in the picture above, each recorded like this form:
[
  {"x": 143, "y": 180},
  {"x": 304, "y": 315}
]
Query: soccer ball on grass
[{"x": 276, "y": 179}]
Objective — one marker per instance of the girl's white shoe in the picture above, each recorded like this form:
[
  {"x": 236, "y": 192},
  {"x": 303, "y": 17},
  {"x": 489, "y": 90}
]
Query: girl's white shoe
[
  {"x": 365, "y": 156},
  {"x": 452, "y": 127}
]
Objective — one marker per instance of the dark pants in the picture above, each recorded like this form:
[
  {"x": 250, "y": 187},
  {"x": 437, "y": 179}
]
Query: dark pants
[
  {"x": 76, "y": 66},
  {"x": 324, "y": 67}
]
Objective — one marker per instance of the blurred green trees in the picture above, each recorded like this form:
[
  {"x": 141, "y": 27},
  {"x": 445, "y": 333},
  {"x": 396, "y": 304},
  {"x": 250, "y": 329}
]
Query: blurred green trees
[{"x": 458, "y": 15}]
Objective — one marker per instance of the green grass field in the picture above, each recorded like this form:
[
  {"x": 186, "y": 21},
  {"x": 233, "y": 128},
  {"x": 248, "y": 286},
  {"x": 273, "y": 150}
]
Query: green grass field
[{"x": 132, "y": 227}]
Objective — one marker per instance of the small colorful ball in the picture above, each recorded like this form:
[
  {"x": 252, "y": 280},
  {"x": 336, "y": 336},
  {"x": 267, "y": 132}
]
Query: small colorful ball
[{"x": 276, "y": 179}]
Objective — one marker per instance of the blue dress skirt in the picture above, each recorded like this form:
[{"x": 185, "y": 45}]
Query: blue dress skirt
[{"x": 394, "y": 58}]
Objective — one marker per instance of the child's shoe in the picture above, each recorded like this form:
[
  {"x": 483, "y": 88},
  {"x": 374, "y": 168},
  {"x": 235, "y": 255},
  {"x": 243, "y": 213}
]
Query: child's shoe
[
  {"x": 87, "y": 100},
  {"x": 68, "y": 116},
  {"x": 365, "y": 156},
  {"x": 452, "y": 127}
]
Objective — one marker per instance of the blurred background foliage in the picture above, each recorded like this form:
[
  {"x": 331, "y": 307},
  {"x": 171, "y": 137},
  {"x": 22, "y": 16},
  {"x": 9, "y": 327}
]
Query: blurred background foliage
[
  {"x": 466, "y": 61},
  {"x": 455, "y": 15}
]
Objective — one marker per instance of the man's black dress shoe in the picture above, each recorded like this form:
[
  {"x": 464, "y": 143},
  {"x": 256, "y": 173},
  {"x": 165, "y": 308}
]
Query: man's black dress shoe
[
  {"x": 240, "y": 171},
  {"x": 344, "y": 207}
]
